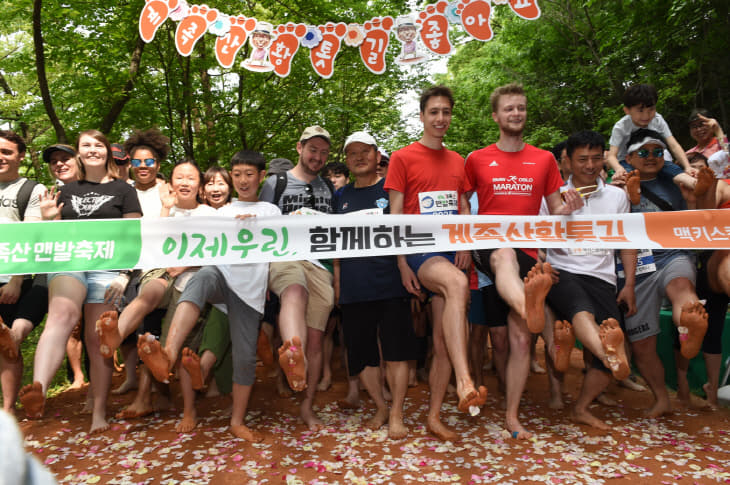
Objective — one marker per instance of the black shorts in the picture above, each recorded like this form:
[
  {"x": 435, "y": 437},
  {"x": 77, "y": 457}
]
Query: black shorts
[
  {"x": 32, "y": 304},
  {"x": 575, "y": 293},
  {"x": 390, "y": 321},
  {"x": 716, "y": 307},
  {"x": 481, "y": 261},
  {"x": 495, "y": 309}
]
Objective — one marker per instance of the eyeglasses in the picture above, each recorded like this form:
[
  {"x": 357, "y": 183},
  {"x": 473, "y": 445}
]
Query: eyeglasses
[
  {"x": 382, "y": 164},
  {"x": 136, "y": 162},
  {"x": 656, "y": 153}
]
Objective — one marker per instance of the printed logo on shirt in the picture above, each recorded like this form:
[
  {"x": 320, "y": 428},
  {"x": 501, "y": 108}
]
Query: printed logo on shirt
[
  {"x": 438, "y": 202},
  {"x": 88, "y": 204},
  {"x": 381, "y": 203},
  {"x": 512, "y": 185},
  {"x": 494, "y": 164}
]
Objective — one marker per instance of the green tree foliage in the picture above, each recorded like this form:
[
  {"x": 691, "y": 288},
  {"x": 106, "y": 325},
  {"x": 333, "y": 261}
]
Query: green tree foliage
[
  {"x": 101, "y": 76},
  {"x": 577, "y": 59}
]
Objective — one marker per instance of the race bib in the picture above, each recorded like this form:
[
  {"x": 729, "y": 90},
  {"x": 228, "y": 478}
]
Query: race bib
[
  {"x": 644, "y": 264},
  {"x": 590, "y": 252},
  {"x": 441, "y": 202}
]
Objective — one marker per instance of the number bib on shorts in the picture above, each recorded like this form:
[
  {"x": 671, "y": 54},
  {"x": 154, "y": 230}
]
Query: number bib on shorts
[{"x": 644, "y": 264}]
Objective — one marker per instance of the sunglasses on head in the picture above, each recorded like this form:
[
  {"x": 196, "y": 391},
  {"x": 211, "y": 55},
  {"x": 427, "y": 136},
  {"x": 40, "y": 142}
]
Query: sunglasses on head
[
  {"x": 136, "y": 162},
  {"x": 656, "y": 152}
]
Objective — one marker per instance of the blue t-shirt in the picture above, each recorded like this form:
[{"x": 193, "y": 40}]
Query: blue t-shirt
[
  {"x": 669, "y": 170},
  {"x": 666, "y": 190},
  {"x": 375, "y": 277}
]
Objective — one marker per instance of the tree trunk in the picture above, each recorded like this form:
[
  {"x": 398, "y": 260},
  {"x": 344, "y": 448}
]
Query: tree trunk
[
  {"x": 116, "y": 109},
  {"x": 40, "y": 65}
]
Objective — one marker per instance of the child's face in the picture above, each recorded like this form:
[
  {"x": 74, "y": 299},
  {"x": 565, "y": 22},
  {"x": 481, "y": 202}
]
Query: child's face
[
  {"x": 338, "y": 180},
  {"x": 260, "y": 40},
  {"x": 641, "y": 115},
  {"x": 407, "y": 34},
  {"x": 246, "y": 181}
]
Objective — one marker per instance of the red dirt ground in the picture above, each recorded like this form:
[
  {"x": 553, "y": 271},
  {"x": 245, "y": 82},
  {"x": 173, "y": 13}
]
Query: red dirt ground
[{"x": 685, "y": 447}]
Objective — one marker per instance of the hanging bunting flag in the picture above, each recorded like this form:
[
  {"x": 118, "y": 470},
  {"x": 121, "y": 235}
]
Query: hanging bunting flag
[
  {"x": 273, "y": 49},
  {"x": 191, "y": 28},
  {"x": 285, "y": 46},
  {"x": 227, "y": 47},
  {"x": 373, "y": 47},
  {"x": 323, "y": 55},
  {"x": 435, "y": 28}
]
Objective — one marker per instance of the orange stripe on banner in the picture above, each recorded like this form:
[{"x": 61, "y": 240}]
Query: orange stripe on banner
[{"x": 708, "y": 229}]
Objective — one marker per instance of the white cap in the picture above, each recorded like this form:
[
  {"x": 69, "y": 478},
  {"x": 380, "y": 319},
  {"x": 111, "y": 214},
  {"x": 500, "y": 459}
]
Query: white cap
[
  {"x": 362, "y": 137},
  {"x": 645, "y": 141}
]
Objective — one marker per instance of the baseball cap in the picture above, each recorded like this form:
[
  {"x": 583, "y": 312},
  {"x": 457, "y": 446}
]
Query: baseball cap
[
  {"x": 361, "y": 137},
  {"x": 312, "y": 131},
  {"x": 644, "y": 141},
  {"x": 58, "y": 147},
  {"x": 119, "y": 155}
]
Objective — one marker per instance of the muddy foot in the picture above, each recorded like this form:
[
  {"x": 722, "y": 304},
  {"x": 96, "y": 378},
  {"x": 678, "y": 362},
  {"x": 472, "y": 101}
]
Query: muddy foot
[
  {"x": 33, "y": 400},
  {"x": 245, "y": 433},
  {"x": 633, "y": 187},
  {"x": 134, "y": 410},
  {"x": 705, "y": 180},
  {"x": 692, "y": 328},
  {"x": 564, "y": 339},
  {"x": 107, "y": 328},
  {"x": 188, "y": 423},
  {"x": 473, "y": 399},
  {"x": 378, "y": 420},
  {"x": 584, "y": 417},
  {"x": 311, "y": 419},
  {"x": 291, "y": 360},
  {"x": 537, "y": 284},
  {"x": 396, "y": 428},
  {"x": 440, "y": 431},
  {"x": 154, "y": 357},
  {"x": 516, "y": 431},
  {"x": 191, "y": 362},
  {"x": 612, "y": 339},
  {"x": 8, "y": 347}
]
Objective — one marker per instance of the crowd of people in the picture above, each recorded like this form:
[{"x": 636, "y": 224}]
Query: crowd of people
[{"x": 396, "y": 315}]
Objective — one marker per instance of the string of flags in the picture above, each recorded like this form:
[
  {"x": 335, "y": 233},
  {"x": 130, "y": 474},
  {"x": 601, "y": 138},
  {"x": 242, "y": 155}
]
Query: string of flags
[{"x": 421, "y": 34}]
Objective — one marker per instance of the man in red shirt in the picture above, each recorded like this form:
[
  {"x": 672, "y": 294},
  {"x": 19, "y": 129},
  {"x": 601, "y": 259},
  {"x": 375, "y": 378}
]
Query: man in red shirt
[
  {"x": 511, "y": 178},
  {"x": 427, "y": 178}
]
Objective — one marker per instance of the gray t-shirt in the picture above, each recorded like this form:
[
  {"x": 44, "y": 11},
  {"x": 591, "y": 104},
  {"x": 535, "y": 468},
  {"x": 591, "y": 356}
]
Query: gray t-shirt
[
  {"x": 9, "y": 200},
  {"x": 624, "y": 127},
  {"x": 297, "y": 194}
]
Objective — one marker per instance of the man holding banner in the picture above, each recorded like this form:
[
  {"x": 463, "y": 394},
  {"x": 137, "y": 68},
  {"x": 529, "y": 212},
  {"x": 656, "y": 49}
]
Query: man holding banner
[
  {"x": 427, "y": 178},
  {"x": 511, "y": 178},
  {"x": 303, "y": 287}
]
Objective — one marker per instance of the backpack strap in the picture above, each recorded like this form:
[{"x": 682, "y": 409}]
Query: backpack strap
[
  {"x": 658, "y": 201},
  {"x": 281, "y": 181},
  {"x": 24, "y": 196}
]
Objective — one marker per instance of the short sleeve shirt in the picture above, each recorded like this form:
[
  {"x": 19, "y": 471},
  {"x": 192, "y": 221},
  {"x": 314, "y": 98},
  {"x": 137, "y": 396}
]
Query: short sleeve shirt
[
  {"x": 92, "y": 200},
  {"x": 9, "y": 200},
  {"x": 298, "y": 194},
  {"x": 624, "y": 127}
]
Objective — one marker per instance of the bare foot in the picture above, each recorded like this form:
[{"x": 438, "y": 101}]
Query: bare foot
[
  {"x": 705, "y": 180},
  {"x": 396, "y": 428},
  {"x": 191, "y": 362},
  {"x": 564, "y": 339},
  {"x": 188, "y": 422},
  {"x": 439, "y": 430},
  {"x": 606, "y": 400},
  {"x": 98, "y": 425},
  {"x": 472, "y": 398},
  {"x": 107, "y": 328},
  {"x": 633, "y": 186},
  {"x": 263, "y": 348},
  {"x": 692, "y": 328},
  {"x": 585, "y": 417},
  {"x": 134, "y": 410},
  {"x": 711, "y": 393},
  {"x": 325, "y": 383},
  {"x": 33, "y": 399},
  {"x": 556, "y": 401},
  {"x": 659, "y": 409},
  {"x": 126, "y": 387},
  {"x": 536, "y": 368},
  {"x": 348, "y": 403},
  {"x": 692, "y": 402},
  {"x": 8, "y": 347},
  {"x": 516, "y": 430},
  {"x": 282, "y": 387},
  {"x": 632, "y": 385},
  {"x": 378, "y": 420},
  {"x": 291, "y": 360},
  {"x": 245, "y": 433},
  {"x": 154, "y": 357},
  {"x": 88, "y": 403},
  {"x": 612, "y": 339},
  {"x": 76, "y": 385},
  {"x": 310, "y": 419},
  {"x": 537, "y": 284}
]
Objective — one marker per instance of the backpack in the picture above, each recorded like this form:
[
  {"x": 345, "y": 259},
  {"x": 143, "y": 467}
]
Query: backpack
[
  {"x": 24, "y": 196},
  {"x": 282, "y": 180}
]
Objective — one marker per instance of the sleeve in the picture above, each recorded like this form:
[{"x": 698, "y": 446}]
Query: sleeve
[
  {"x": 626, "y": 165},
  {"x": 618, "y": 136},
  {"x": 554, "y": 181},
  {"x": 396, "y": 178},
  {"x": 130, "y": 203},
  {"x": 469, "y": 170},
  {"x": 662, "y": 126},
  {"x": 466, "y": 185},
  {"x": 267, "y": 191},
  {"x": 34, "y": 202}
]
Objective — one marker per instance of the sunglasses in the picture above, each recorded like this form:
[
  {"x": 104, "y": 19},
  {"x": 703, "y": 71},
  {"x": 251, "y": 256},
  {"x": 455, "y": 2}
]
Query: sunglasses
[
  {"x": 382, "y": 164},
  {"x": 656, "y": 153},
  {"x": 136, "y": 162}
]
